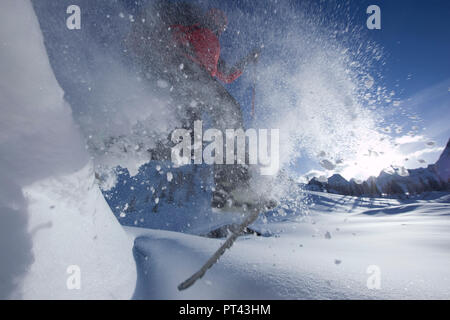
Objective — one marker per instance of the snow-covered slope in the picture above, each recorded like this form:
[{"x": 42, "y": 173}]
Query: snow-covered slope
[
  {"x": 52, "y": 215},
  {"x": 330, "y": 254}
]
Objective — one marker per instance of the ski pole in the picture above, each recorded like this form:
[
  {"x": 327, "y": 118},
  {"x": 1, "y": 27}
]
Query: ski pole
[
  {"x": 253, "y": 102},
  {"x": 254, "y": 90},
  {"x": 253, "y": 215}
]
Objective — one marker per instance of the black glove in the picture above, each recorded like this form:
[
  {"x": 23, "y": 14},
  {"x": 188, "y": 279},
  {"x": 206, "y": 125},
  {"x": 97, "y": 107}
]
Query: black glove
[{"x": 252, "y": 57}]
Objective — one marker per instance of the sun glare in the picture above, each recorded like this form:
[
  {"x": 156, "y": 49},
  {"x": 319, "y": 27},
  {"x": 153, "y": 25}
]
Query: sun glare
[{"x": 370, "y": 162}]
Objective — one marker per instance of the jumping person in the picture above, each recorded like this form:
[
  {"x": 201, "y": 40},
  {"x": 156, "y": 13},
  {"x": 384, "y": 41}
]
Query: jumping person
[{"x": 180, "y": 43}]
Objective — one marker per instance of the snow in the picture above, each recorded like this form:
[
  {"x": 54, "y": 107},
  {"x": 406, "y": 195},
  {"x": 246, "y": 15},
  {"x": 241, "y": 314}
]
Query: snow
[
  {"x": 52, "y": 214},
  {"x": 162, "y": 84},
  {"x": 71, "y": 224},
  {"x": 55, "y": 220},
  {"x": 407, "y": 242},
  {"x": 327, "y": 164}
]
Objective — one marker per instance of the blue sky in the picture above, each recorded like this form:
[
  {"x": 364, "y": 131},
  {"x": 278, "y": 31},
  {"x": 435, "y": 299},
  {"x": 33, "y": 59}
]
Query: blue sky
[
  {"x": 415, "y": 36},
  {"x": 416, "y": 39}
]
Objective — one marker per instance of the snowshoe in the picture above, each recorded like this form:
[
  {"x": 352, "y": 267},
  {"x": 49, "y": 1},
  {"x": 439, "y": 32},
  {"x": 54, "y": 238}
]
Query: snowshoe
[{"x": 240, "y": 199}]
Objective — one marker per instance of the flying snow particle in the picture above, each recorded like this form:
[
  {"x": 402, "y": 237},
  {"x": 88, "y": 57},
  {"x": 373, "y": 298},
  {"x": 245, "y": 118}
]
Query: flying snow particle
[
  {"x": 169, "y": 176},
  {"x": 162, "y": 84},
  {"x": 327, "y": 164},
  {"x": 157, "y": 200},
  {"x": 368, "y": 82}
]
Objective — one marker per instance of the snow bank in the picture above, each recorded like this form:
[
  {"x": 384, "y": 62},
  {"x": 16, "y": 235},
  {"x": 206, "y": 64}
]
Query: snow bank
[
  {"x": 332, "y": 254},
  {"x": 52, "y": 214},
  {"x": 71, "y": 224}
]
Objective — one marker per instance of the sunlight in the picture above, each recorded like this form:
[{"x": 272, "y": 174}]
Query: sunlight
[{"x": 369, "y": 163}]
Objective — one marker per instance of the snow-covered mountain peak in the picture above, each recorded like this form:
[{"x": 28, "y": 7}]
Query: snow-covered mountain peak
[{"x": 442, "y": 166}]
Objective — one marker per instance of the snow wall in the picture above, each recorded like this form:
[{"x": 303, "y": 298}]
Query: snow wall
[{"x": 58, "y": 237}]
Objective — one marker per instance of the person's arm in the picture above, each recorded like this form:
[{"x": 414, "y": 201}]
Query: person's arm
[
  {"x": 229, "y": 75},
  {"x": 225, "y": 74}
]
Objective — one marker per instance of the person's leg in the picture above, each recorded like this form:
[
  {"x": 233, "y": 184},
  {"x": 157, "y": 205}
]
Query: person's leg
[
  {"x": 182, "y": 94},
  {"x": 225, "y": 113}
]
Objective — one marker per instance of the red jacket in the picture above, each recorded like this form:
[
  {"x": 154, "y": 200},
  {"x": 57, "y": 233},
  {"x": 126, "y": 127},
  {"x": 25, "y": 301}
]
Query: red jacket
[{"x": 204, "y": 48}]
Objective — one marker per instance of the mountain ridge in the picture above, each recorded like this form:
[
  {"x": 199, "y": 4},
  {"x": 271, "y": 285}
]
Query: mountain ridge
[{"x": 435, "y": 177}]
